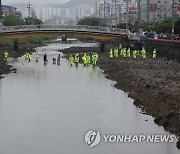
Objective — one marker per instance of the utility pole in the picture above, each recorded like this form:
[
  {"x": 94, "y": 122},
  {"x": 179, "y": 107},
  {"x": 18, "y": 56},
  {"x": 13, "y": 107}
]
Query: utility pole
[
  {"x": 127, "y": 20},
  {"x": 139, "y": 14},
  {"x": 127, "y": 14},
  {"x": 29, "y": 14},
  {"x": 148, "y": 10},
  {"x": 0, "y": 9},
  {"x": 116, "y": 12},
  {"x": 29, "y": 10},
  {"x": 99, "y": 16},
  {"x": 104, "y": 24},
  {"x": 173, "y": 17}
]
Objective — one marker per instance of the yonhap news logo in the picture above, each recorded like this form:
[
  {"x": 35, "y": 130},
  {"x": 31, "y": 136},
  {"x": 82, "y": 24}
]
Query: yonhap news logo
[{"x": 93, "y": 138}]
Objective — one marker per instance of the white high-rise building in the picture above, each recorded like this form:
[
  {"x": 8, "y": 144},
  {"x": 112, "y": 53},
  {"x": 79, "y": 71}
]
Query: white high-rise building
[
  {"x": 107, "y": 8},
  {"x": 78, "y": 11},
  {"x": 100, "y": 8},
  {"x": 156, "y": 10}
]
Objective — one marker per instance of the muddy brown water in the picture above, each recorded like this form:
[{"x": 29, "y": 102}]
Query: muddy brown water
[{"x": 47, "y": 109}]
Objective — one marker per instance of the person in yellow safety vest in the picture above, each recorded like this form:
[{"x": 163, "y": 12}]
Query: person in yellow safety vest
[
  {"x": 120, "y": 46},
  {"x": 116, "y": 53},
  {"x": 96, "y": 56},
  {"x": 138, "y": 53},
  {"x": 76, "y": 58},
  {"x": 94, "y": 59},
  {"x": 111, "y": 53},
  {"x": 154, "y": 54},
  {"x": 124, "y": 53},
  {"x": 84, "y": 58},
  {"x": 37, "y": 57},
  {"x": 6, "y": 54},
  {"x": 129, "y": 53},
  {"x": 134, "y": 54},
  {"x": 29, "y": 57},
  {"x": 71, "y": 60},
  {"x": 25, "y": 56},
  {"x": 143, "y": 53}
]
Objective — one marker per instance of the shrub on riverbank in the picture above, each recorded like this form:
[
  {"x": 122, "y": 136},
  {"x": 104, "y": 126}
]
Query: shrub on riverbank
[
  {"x": 39, "y": 39},
  {"x": 35, "y": 40},
  {"x": 6, "y": 42},
  {"x": 49, "y": 37}
]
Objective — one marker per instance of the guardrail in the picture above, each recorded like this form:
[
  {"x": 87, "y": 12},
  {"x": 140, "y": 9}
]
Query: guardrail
[
  {"x": 164, "y": 41},
  {"x": 79, "y": 28}
]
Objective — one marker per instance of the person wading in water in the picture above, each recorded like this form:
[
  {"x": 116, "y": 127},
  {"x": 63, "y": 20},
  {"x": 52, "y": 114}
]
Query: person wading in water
[
  {"x": 45, "y": 58},
  {"x": 58, "y": 59}
]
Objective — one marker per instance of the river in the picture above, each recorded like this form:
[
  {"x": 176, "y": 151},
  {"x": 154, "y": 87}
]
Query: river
[{"x": 47, "y": 109}]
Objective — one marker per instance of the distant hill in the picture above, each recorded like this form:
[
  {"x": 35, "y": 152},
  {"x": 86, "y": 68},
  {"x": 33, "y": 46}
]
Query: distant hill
[
  {"x": 18, "y": 4},
  {"x": 76, "y": 2},
  {"x": 65, "y": 5},
  {"x": 73, "y": 3}
]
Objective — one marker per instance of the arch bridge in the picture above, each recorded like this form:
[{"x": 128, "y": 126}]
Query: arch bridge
[{"x": 99, "y": 33}]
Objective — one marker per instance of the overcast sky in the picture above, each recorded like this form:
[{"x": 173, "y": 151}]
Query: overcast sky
[{"x": 33, "y": 1}]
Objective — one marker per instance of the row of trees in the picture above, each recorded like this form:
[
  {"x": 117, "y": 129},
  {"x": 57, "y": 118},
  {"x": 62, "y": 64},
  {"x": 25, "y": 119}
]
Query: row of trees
[
  {"x": 89, "y": 21},
  {"x": 163, "y": 26},
  {"x": 13, "y": 20}
]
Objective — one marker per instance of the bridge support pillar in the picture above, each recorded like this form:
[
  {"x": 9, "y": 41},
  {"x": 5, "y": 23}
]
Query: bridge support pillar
[
  {"x": 16, "y": 42},
  {"x": 102, "y": 46},
  {"x": 64, "y": 38}
]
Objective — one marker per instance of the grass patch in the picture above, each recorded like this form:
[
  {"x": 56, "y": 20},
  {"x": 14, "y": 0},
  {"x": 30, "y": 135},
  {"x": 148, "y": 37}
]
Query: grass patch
[
  {"x": 6, "y": 42},
  {"x": 39, "y": 39}
]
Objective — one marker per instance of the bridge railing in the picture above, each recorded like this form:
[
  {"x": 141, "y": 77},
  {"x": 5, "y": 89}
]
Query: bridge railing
[
  {"x": 17, "y": 28},
  {"x": 78, "y": 28},
  {"x": 86, "y": 28}
]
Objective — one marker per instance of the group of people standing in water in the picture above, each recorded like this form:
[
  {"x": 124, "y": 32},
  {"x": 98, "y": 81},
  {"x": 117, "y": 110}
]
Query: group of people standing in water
[
  {"x": 27, "y": 57},
  {"x": 86, "y": 59}
]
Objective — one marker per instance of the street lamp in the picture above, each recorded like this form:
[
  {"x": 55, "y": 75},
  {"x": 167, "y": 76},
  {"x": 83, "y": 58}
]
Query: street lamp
[
  {"x": 139, "y": 14},
  {"x": 0, "y": 8},
  {"x": 172, "y": 17},
  {"x": 101, "y": 7}
]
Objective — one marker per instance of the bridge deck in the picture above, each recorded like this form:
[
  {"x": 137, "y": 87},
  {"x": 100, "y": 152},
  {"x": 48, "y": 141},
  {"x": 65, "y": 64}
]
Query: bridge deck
[{"x": 94, "y": 32}]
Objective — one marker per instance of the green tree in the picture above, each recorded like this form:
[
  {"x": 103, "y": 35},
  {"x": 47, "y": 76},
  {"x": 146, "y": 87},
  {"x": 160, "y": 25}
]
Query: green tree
[
  {"x": 32, "y": 21},
  {"x": 165, "y": 26},
  {"x": 89, "y": 22},
  {"x": 12, "y": 20}
]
